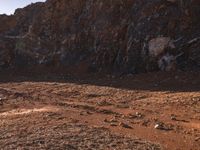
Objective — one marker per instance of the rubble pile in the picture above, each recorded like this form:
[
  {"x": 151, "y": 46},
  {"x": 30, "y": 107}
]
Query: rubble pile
[{"x": 120, "y": 36}]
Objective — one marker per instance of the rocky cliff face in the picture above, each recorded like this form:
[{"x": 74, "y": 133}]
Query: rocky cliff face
[{"x": 126, "y": 36}]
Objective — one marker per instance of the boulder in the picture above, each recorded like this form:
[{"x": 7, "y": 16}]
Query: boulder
[
  {"x": 158, "y": 46},
  {"x": 167, "y": 63}
]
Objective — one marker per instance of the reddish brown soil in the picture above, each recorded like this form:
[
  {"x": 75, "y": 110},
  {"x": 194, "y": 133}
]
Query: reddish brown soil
[{"x": 101, "y": 113}]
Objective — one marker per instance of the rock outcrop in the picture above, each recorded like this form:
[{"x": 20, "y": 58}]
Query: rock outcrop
[{"x": 121, "y": 36}]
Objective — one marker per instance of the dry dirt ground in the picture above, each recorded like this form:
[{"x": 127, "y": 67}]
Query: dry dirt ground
[{"x": 146, "y": 112}]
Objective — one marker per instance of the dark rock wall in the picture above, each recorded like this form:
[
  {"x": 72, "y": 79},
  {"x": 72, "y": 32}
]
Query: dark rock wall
[{"x": 102, "y": 35}]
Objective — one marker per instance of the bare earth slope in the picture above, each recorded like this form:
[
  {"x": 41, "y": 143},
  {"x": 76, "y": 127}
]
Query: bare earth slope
[{"x": 101, "y": 113}]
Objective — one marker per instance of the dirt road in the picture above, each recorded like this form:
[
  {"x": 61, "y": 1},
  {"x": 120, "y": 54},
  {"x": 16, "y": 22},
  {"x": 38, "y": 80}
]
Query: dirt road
[{"x": 148, "y": 111}]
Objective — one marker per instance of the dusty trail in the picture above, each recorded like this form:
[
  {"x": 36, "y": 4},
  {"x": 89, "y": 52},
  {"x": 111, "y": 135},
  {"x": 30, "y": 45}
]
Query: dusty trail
[{"x": 101, "y": 113}]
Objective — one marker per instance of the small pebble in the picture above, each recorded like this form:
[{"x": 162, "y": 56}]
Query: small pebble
[{"x": 125, "y": 125}]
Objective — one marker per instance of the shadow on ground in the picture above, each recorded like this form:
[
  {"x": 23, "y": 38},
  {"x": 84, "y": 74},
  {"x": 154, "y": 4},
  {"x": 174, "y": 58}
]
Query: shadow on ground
[{"x": 157, "y": 81}]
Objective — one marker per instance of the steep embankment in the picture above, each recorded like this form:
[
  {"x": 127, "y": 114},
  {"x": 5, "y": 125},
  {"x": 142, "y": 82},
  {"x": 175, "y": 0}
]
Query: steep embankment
[{"x": 126, "y": 36}]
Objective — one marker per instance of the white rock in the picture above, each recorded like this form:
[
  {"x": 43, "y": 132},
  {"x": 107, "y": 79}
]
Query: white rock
[
  {"x": 157, "y": 126},
  {"x": 158, "y": 45}
]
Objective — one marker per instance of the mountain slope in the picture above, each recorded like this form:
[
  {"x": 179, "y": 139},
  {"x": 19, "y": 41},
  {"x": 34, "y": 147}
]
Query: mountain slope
[{"x": 127, "y": 36}]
